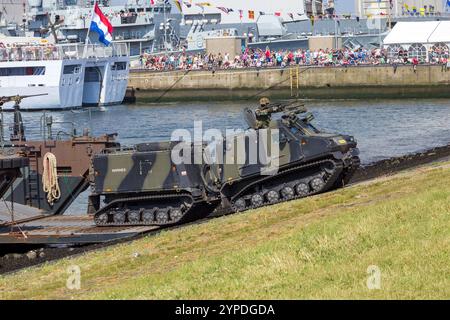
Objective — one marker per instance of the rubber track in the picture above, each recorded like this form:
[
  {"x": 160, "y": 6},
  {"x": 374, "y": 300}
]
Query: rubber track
[
  {"x": 160, "y": 197},
  {"x": 338, "y": 170}
]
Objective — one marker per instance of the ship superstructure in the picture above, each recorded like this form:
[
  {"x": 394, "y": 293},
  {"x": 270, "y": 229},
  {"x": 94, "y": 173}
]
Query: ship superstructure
[
  {"x": 159, "y": 27},
  {"x": 289, "y": 25},
  {"x": 142, "y": 26},
  {"x": 12, "y": 17}
]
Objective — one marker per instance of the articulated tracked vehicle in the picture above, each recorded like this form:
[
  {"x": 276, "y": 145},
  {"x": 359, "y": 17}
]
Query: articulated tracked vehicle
[{"x": 281, "y": 157}]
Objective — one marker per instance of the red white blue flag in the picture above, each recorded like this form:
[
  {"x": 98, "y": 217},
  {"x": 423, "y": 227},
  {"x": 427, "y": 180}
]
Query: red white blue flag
[{"x": 102, "y": 26}]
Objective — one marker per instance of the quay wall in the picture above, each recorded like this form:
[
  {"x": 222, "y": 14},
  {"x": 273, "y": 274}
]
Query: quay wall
[{"x": 361, "y": 82}]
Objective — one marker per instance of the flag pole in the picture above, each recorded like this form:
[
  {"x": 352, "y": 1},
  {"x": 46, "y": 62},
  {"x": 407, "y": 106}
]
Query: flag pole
[{"x": 89, "y": 29}]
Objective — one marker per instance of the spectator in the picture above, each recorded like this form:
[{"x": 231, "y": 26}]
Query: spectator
[{"x": 257, "y": 58}]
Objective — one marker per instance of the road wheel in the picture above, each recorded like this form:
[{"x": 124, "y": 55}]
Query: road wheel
[
  {"x": 273, "y": 196},
  {"x": 287, "y": 193},
  {"x": 239, "y": 205},
  {"x": 317, "y": 184},
  {"x": 257, "y": 200},
  {"x": 101, "y": 219},
  {"x": 148, "y": 216},
  {"x": 134, "y": 216},
  {"x": 119, "y": 217},
  {"x": 162, "y": 217},
  {"x": 302, "y": 189},
  {"x": 176, "y": 214}
]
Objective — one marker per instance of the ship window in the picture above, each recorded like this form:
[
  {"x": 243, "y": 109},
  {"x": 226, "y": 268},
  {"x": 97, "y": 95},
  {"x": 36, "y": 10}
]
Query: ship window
[
  {"x": 119, "y": 66},
  {"x": 22, "y": 71},
  {"x": 72, "y": 69},
  {"x": 129, "y": 18}
]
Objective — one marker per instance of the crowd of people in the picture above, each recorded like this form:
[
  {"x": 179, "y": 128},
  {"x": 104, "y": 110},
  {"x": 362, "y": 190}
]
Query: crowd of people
[
  {"x": 257, "y": 58},
  {"x": 28, "y": 52}
]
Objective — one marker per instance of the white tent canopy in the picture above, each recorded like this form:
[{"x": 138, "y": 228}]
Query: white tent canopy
[
  {"x": 419, "y": 32},
  {"x": 441, "y": 34}
]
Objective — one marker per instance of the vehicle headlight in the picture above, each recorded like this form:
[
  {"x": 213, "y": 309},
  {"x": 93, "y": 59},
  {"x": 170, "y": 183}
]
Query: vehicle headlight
[{"x": 340, "y": 141}]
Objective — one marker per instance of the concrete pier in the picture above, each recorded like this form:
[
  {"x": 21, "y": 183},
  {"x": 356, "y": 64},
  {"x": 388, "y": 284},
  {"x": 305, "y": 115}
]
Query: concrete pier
[{"x": 361, "y": 82}]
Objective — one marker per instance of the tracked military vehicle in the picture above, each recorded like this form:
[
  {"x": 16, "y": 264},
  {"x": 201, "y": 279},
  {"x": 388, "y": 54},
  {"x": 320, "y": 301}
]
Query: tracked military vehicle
[
  {"x": 307, "y": 161},
  {"x": 144, "y": 186}
]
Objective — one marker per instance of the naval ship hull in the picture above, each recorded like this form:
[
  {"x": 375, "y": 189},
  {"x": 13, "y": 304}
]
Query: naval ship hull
[{"x": 70, "y": 78}]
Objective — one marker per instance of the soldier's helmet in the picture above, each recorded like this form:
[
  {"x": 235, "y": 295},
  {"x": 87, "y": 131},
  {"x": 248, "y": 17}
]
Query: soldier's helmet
[{"x": 264, "y": 102}]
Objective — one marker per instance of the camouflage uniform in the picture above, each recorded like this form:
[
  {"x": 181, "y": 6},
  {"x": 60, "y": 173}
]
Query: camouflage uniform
[{"x": 263, "y": 114}]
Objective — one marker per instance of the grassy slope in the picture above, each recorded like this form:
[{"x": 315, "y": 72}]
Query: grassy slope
[{"x": 319, "y": 247}]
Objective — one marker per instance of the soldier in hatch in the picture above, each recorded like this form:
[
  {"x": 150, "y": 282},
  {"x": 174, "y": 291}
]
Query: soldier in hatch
[{"x": 263, "y": 114}]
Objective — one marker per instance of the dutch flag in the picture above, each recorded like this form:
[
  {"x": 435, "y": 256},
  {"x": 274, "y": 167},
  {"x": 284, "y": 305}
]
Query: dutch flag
[{"x": 102, "y": 26}]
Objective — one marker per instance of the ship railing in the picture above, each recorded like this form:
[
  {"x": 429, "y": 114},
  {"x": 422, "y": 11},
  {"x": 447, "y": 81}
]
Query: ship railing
[
  {"x": 49, "y": 129},
  {"x": 29, "y": 53},
  {"x": 100, "y": 51},
  {"x": 61, "y": 52}
]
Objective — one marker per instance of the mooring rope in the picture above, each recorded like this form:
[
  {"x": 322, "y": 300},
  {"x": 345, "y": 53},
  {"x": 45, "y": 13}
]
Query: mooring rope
[{"x": 50, "y": 179}]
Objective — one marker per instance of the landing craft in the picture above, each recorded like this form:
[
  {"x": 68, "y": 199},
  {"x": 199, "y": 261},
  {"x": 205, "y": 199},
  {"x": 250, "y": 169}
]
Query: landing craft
[
  {"x": 144, "y": 186},
  {"x": 39, "y": 179},
  {"x": 22, "y": 161}
]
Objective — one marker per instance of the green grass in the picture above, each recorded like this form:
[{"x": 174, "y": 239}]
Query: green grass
[{"x": 314, "y": 248}]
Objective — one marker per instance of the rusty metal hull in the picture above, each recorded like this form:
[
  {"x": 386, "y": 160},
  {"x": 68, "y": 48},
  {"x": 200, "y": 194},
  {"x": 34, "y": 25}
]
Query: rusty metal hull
[
  {"x": 74, "y": 159},
  {"x": 10, "y": 170}
]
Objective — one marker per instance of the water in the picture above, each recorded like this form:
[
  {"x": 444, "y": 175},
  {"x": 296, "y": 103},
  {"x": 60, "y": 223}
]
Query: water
[{"x": 384, "y": 129}]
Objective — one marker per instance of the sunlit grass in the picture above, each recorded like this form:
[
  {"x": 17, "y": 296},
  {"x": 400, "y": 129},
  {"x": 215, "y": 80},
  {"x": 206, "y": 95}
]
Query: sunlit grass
[{"x": 314, "y": 248}]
